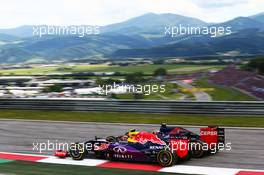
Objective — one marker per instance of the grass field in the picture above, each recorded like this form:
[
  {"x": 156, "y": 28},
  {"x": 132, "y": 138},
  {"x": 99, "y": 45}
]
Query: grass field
[
  {"x": 29, "y": 168},
  {"x": 246, "y": 121},
  {"x": 47, "y": 70},
  {"x": 223, "y": 93},
  {"x": 147, "y": 69}
]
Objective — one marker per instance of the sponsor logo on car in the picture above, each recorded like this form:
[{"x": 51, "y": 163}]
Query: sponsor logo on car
[
  {"x": 101, "y": 147},
  {"x": 123, "y": 156},
  {"x": 120, "y": 149},
  {"x": 156, "y": 147},
  {"x": 212, "y": 133},
  {"x": 144, "y": 137}
]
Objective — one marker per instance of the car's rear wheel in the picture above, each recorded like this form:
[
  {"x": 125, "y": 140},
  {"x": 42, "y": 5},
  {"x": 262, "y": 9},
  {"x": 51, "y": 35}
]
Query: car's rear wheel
[
  {"x": 77, "y": 151},
  {"x": 166, "y": 158},
  {"x": 197, "y": 150}
]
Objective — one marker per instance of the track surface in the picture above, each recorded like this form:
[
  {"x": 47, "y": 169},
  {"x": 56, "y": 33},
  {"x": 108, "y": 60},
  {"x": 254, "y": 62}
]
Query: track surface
[{"x": 18, "y": 136}]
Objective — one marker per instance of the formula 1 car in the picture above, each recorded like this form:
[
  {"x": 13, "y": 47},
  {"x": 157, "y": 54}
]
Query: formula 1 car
[
  {"x": 198, "y": 145},
  {"x": 207, "y": 142},
  {"x": 161, "y": 147},
  {"x": 147, "y": 147}
]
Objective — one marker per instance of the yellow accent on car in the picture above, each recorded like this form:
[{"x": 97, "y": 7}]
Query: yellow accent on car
[{"x": 131, "y": 136}]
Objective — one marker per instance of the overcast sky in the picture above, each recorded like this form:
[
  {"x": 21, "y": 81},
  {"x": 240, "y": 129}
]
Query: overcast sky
[{"x": 101, "y": 12}]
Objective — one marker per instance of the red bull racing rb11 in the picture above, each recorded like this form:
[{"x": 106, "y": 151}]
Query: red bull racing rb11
[{"x": 167, "y": 147}]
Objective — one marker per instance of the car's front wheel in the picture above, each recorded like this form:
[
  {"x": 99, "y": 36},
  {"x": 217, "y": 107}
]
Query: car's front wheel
[
  {"x": 77, "y": 151},
  {"x": 166, "y": 158}
]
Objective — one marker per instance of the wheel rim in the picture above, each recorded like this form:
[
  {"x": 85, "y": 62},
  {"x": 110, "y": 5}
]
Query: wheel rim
[
  {"x": 197, "y": 152},
  {"x": 197, "y": 149},
  {"x": 76, "y": 152},
  {"x": 164, "y": 158}
]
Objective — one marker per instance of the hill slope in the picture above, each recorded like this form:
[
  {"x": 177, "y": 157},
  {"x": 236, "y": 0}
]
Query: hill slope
[{"x": 141, "y": 36}]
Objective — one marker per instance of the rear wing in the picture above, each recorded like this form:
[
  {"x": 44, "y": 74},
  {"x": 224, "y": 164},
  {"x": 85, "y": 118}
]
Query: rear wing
[{"x": 212, "y": 135}]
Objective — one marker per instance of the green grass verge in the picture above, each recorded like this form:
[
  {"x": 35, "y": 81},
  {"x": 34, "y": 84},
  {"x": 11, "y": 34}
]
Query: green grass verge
[
  {"x": 221, "y": 93},
  {"x": 252, "y": 121},
  {"x": 30, "y": 168},
  {"x": 5, "y": 161},
  {"x": 147, "y": 69}
]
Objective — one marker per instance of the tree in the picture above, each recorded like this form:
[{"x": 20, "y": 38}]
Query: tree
[
  {"x": 53, "y": 88},
  {"x": 160, "y": 61},
  {"x": 109, "y": 81},
  {"x": 256, "y": 65},
  {"x": 138, "y": 96},
  {"x": 135, "y": 78},
  {"x": 117, "y": 74},
  {"x": 160, "y": 72}
]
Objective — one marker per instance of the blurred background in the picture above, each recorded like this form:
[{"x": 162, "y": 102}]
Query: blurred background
[{"x": 131, "y": 48}]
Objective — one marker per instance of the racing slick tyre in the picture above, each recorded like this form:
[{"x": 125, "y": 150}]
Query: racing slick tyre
[
  {"x": 77, "y": 151},
  {"x": 197, "y": 149},
  {"x": 166, "y": 158}
]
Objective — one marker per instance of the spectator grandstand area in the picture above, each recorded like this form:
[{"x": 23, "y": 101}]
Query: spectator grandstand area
[{"x": 246, "y": 81}]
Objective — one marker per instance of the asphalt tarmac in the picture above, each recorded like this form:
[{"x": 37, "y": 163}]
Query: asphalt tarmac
[{"x": 26, "y": 136}]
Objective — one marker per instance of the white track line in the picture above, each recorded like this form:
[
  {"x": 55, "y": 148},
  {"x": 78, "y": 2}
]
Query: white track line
[
  {"x": 200, "y": 170},
  {"x": 185, "y": 169},
  {"x": 85, "y": 162}
]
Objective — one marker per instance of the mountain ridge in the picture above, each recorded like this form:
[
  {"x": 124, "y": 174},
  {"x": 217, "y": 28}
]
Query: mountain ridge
[{"x": 139, "y": 36}]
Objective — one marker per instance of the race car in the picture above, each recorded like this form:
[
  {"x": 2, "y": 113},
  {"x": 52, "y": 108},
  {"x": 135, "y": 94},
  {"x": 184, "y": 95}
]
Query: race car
[
  {"x": 198, "y": 145},
  {"x": 207, "y": 142},
  {"x": 145, "y": 147},
  {"x": 167, "y": 147}
]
